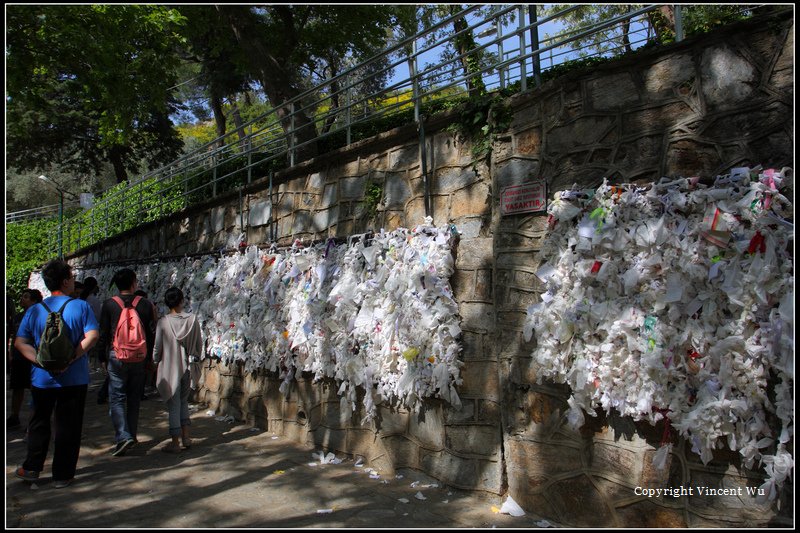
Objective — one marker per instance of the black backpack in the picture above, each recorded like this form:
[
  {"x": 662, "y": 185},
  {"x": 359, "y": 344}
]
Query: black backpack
[{"x": 55, "y": 347}]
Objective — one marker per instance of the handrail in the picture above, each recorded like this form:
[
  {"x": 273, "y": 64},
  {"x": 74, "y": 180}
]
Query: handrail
[{"x": 230, "y": 161}]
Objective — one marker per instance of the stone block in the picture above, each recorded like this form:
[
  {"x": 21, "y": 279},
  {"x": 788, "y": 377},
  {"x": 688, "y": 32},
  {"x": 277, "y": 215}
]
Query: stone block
[
  {"x": 614, "y": 458},
  {"x": 468, "y": 228},
  {"x": 612, "y": 91},
  {"x": 404, "y": 158},
  {"x": 441, "y": 209},
  {"x": 475, "y": 440},
  {"x": 445, "y": 150},
  {"x": 401, "y": 452},
  {"x": 463, "y": 473},
  {"x": 427, "y": 427},
  {"x": 415, "y": 212},
  {"x": 392, "y": 421},
  {"x": 334, "y": 416},
  {"x": 516, "y": 172},
  {"x": 473, "y": 347},
  {"x": 477, "y": 317},
  {"x": 691, "y": 158},
  {"x": 330, "y": 439},
  {"x": 396, "y": 191},
  {"x": 294, "y": 431},
  {"x": 452, "y": 179},
  {"x": 465, "y": 414},
  {"x": 329, "y": 195},
  {"x": 316, "y": 181},
  {"x": 660, "y": 117},
  {"x": 474, "y": 253},
  {"x": 480, "y": 380},
  {"x": 647, "y": 514},
  {"x": 642, "y": 152},
  {"x": 488, "y": 411},
  {"x": 528, "y": 142},
  {"x": 483, "y": 285},
  {"x": 727, "y": 79},
  {"x": 462, "y": 283},
  {"x": 532, "y": 464},
  {"x": 322, "y": 220},
  {"x": 363, "y": 442},
  {"x": 471, "y": 201},
  {"x": 260, "y": 213},
  {"x": 668, "y": 74},
  {"x": 352, "y": 188},
  {"x": 578, "y": 133},
  {"x": 581, "y": 504}
]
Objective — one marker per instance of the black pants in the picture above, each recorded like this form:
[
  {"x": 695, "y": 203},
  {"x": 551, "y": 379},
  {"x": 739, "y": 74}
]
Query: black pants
[{"x": 69, "y": 404}]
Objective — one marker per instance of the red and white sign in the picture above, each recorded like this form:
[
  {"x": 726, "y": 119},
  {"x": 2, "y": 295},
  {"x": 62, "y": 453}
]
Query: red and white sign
[{"x": 525, "y": 198}]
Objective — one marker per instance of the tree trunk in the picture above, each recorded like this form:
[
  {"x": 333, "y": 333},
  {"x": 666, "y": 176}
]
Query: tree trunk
[
  {"x": 275, "y": 80},
  {"x": 237, "y": 118},
  {"x": 219, "y": 118},
  {"x": 469, "y": 62},
  {"x": 626, "y": 29},
  {"x": 115, "y": 157},
  {"x": 662, "y": 21}
]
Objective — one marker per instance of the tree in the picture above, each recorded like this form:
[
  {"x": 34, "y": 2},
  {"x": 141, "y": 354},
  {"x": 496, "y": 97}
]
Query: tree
[
  {"x": 222, "y": 71},
  {"x": 91, "y": 84},
  {"x": 661, "y": 21},
  {"x": 278, "y": 40}
]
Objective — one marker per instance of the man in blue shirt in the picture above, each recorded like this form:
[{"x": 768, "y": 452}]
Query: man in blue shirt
[{"x": 62, "y": 392}]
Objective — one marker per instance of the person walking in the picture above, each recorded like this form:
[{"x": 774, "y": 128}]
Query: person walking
[
  {"x": 89, "y": 295},
  {"x": 126, "y": 379},
  {"x": 61, "y": 392},
  {"x": 149, "y": 367},
  {"x": 178, "y": 343},
  {"x": 20, "y": 366}
]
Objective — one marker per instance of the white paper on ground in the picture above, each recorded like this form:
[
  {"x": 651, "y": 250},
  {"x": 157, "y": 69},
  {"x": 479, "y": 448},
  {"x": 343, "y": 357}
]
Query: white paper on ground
[{"x": 511, "y": 507}]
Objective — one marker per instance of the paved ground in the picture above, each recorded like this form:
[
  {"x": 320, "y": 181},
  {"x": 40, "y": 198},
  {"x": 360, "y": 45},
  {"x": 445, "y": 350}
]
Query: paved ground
[{"x": 234, "y": 476}]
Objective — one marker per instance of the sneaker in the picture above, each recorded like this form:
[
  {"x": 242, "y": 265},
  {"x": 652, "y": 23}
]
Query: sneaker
[
  {"x": 122, "y": 447},
  {"x": 13, "y": 422},
  {"x": 62, "y": 483},
  {"x": 27, "y": 475}
]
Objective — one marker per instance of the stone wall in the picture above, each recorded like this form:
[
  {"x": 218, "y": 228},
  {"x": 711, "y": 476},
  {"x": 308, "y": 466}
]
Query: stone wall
[
  {"x": 695, "y": 108},
  {"x": 706, "y": 106}
]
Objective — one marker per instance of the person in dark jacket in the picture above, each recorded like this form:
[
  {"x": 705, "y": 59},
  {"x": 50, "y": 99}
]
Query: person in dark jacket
[{"x": 126, "y": 379}]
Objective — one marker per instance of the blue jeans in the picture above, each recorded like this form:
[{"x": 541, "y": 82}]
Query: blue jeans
[
  {"x": 125, "y": 387},
  {"x": 178, "y": 407}
]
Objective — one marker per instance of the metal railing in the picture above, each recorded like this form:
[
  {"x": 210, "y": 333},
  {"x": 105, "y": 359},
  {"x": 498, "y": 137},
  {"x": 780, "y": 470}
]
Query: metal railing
[
  {"x": 46, "y": 211},
  {"x": 511, "y": 59}
]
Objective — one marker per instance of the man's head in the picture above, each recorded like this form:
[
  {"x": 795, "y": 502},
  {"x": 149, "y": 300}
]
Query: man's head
[
  {"x": 57, "y": 276},
  {"x": 30, "y": 297},
  {"x": 125, "y": 279}
]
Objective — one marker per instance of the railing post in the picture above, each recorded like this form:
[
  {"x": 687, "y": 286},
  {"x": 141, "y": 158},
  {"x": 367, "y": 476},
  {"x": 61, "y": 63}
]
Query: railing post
[
  {"x": 523, "y": 75},
  {"x": 347, "y": 115},
  {"x": 678, "y": 22},
  {"x": 249, "y": 166},
  {"x": 500, "y": 52},
  {"x": 214, "y": 162},
  {"x": 412, "y": 70},
  {"x": 537, "y": 69},
  {"x": 291, "y": 135}
]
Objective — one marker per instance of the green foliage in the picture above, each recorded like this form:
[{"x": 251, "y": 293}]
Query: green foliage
[
  {"x": 372, "y": 198},
  {"x": 88, "y": 84},
  {"x": 28, "y": 246},
  {"x": 481, "y": 118}
]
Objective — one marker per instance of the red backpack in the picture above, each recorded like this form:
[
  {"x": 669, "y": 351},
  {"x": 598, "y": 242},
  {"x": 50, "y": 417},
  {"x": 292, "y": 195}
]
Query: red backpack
[{"x": 130, "y": 343}]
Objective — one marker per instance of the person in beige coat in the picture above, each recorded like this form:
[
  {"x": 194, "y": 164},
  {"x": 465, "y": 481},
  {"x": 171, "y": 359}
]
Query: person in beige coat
[{"x": 178, "y": 339}]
